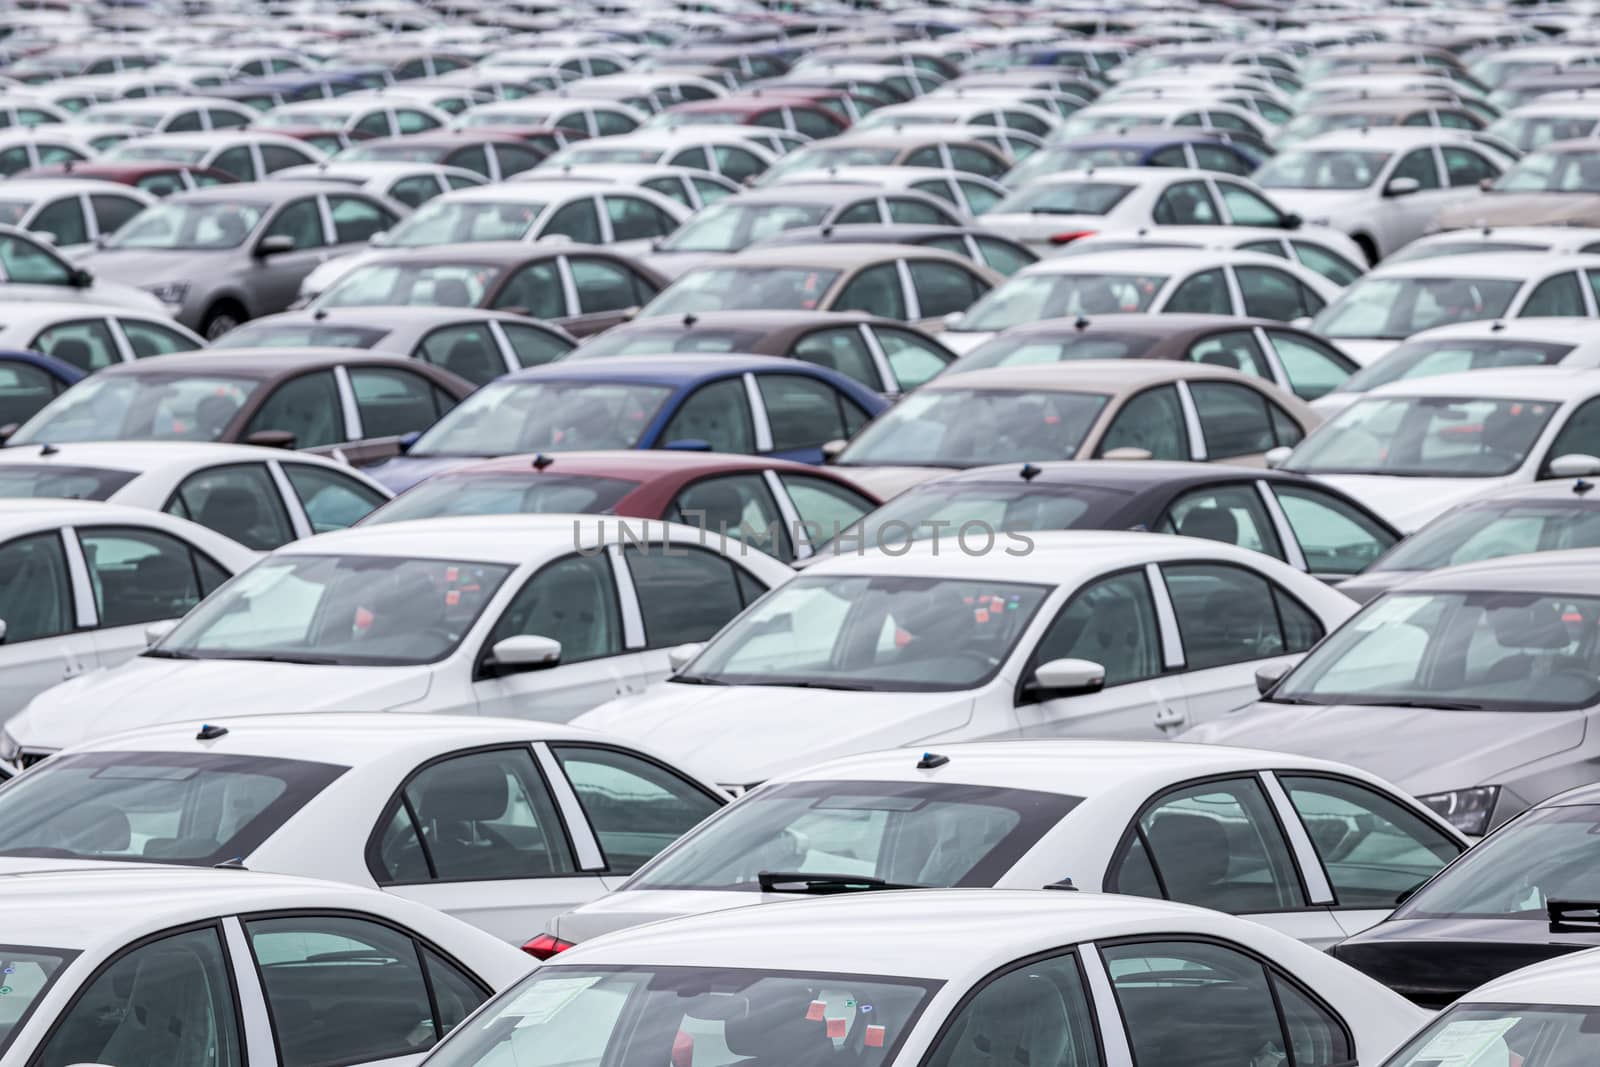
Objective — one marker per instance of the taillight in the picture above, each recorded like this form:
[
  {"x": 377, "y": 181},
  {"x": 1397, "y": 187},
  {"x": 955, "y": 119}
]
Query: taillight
[
  {"x": 546, "y": 945},
  {"x": 1069, "y": 237}
]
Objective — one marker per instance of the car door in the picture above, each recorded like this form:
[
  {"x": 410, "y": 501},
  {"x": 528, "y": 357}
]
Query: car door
[
  {"x": 608, "y": 292},
  {"x": 715, "y": 417},
  {"x": 239, "y": 500},
  {"x": 480, "y": 835},
  {"x": 139, "y": 575},
  {"x": 802, "y": 414},
  {"x": 273, "y": 281},
  {"x": 1401, "y": 219},
  {"x": 44, "y": 610}
]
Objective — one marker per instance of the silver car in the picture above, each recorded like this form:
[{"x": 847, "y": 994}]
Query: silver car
[{"x": 1472, "y": 687}]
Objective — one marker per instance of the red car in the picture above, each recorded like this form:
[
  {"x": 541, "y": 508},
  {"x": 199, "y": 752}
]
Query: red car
[
  {"x": 327, "y": 141},
  {"x": 156, "y": 178},
  {"x": 783, "y": 508}
]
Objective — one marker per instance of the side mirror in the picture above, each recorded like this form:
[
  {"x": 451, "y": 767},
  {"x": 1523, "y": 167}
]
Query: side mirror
[
  {"x": 1128, "y": 453},
  {"x": 525, "y": 652},
  {"x": 8, "y": 431},
  {"x": 1574, "y": 465},
  {"x": 276, "y": 245},
  {"x": 80, "y": 278},
  {"x": 1291, "y": 221},
  {"x": 831, "y": 449},
  {"x": 1402, "y": 187},
  {"x": 1276, "y": 457},
  {"x": 1270, "y": 675},
  {"x": 2, "y": 631},
  {"x": 47, "y": 236},
  {"x": 952, "y": 321},
  {"x": 628, "y": 314},
  {"x": 270, "y": 439},
  {"x": 1301, "y": 323},
  {"x": 379, "y": 239},
  {"x": 688, "y": 444},
  {"x": 678, "y": 657},
  {"x": 1486, "y": 184},
  {"x": 407, "y": 440},
  {"x": 158, "y": 630},
  {"x": 1067, "y": 678}
]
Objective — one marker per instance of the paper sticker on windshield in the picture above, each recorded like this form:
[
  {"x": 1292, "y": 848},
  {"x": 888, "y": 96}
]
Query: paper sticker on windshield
[
  {"x": 1388, "y": 612},
  {"x": 545, "y": 999},
  {"x": 1461, "y": 1043}
]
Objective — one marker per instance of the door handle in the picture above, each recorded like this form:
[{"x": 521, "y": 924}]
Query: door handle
[{"x": 1169, "y": 719}]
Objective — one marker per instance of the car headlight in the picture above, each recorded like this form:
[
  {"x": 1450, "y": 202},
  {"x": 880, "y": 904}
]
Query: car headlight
[
  {"x": 1468, "y": 810},
  {"x": 169, "y": 292},
  {"x": 9, "y": 748}
]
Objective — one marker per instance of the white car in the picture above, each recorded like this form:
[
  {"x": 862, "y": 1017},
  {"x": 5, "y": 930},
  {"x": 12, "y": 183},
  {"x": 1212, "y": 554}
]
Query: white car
[
  {"x": 1379, "y": 311},
  {"x": 1492, "y": 345},
  {"x": 80, "y": 581},
  {"x": 718, "y": 150},
  {"x": 1381, "y": 186},
  {"x": 534, "y": 616},
  {"x": 92, "y": 337},
  {"x": 411, "y": 184},
  {"x": 31, "y": 270},
  {"x": 1181, "y": 110},
  {"x": 1560, "y": 240},
  {"x": 970, "y": 194},
  {"x": 1410, "y": 450},
  {"x": 259, "y": 497},
  {"x": 1076, "y": 633},
  {"x": 1007, "y": 978},
  {"x": 1322, "y": 249},
  {"x": 1315, "y": 849},
  {"x": 956, "y": 111},
  {"x": 557, "y": 816},
  {"x": 1148, "y": 281},
  {"x": 131, "y": 964},
  {"x": 1058, "y": 209},
  {"x": 70, "y": 213}
]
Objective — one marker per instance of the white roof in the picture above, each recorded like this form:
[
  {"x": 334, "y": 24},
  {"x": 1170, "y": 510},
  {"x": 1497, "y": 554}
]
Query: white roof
[
  {"x": 522, "y": 192},
  {"x": 1551, "y": 384},
  {"x": 1558, "y": 330},
  {"x": 43, "y": 312},
  {"x": 1131, "y": 175},
  {"x": 1518, "y": 266},
  {"x": 144, "y": 456},
  {"x": 365, "y": 170},
  {"x": 1571, "y": 980},
  {"x": 510, "y": 539},
  {"x": 23, "y": 515},
  {"x": 1563, "y": 105},
  {"x": 1164, "y": 261},
  {"x": 1383, "y": 139},
  {"x": 39, "y": 188}
]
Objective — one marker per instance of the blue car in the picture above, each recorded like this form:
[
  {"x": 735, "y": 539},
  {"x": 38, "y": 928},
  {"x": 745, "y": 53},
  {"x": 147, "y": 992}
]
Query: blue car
[
  {"x": 1186, "y": 147},
  {"x": 755, "y": 405},
  {"x": 29, "y": 381}
]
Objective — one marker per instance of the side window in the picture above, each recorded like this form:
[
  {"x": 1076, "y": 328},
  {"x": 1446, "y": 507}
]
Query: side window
[
  {"x": 474, "y": 158},
  {"x": 1231, "y": 615},
  {"x": 413, "y": 121},
  {"x": 736, "y": 505},
  {"x": 710, "y": 191},
  {"x": 1272, "y": 247},
  {"x": 534, "y": 290},
  {"x": 356, "y": 220},
  {"x": 1334, "y": 537},
  {"x": 27, "y": 263},
  {"x": 924, "y": 157},
  {"x": 862, "y": 211},
  {"x": 980, "y": 197},
  {"x": 1003, "y": 256},
  {"x": 86, "y": 344},
  {"x": 841, "y": 349},
  {"x": 1232, "y": 514},
  {"x": 226, "y": 120},
  {"x": 468, "y": 350},
  {"x": 1275, "y": 294},
  {"x": 1170, "y": 156},
  {"x": 24, "y": 389},
  {"x": 670, "y": 187},
  {"x": 1248, "y": 208},
  {"x": 803, "y": 412},
  {"x": 183, "y": 980},
  {"x": 609, "y": 123},
  {"x": 533, "y": 346},
  {"x": 1152, "y": 421},
  {"x": 636, "y": 807},
  {"x": 964, "y": 157},
  {"x": 183, "y": 122},
  {"x": 695, "y": 159},
  {"x": 577, "y": 220},
  {"x": 826, "y": 507},
  {"x": 1466, "y": 167},
  {"x": 332, "y": 500},
  {"x": 1111, "y": 622},
  {"x": 1372, "y": 847},
  {"x": 373, "y": 124},
  {"x": 1187, "y": 204},
  {"x": 912, "y": 359},
  {"x": 739, "y": 164},
  {"x": 1458, "y": 120},
  {"x": 1168, "y": 991},
  {"x": 1236, "y": 350},
  {"x": 1558, "y": 294},
  {"x": 718, "y": 414},
  {"x": 1233, "y": 418},
  {"x": 942, "y": 288},
  {"x": 139, "y": 575},
  {"x": 1418, "y": 164},
  {"x": 414, "y": 191},
  {"x": 301, "y": 222},
  {"x": 1205, "y": 293},
  {"x": 236, "y": 162},
  {"x": 307, "y": 406},
  {"x": 1212, "y": 157},
  {"x": 153, "y": 339},
  {"x": 63, "y": 220},
  {"x": 35, "y": 591},
  {"x": 1215, "y": 845},
  {"x": 479, "y": 817},
  {"x": 876, "y": 290},
  {"x": 110, "y": 212},
  {"x": 395, "y": 402},
  {"x": 635, "y": 219},
  {"x": 685, "y": 597},
  {"x": 814, "y": 123},
  {"x": 603, "y": 285},
  {"x": 15, "y": 159},
  {"x": 239, "y": 501},
  {"x": 1313, "y": 369},
  {"x": 1580, "y": 433},
  {"x": 1329, "y": 264},
  {"x": 574, "y": 601},
  {"x": 1038, "y": 1013},
  {"x": 903, "y": 209},
  {"x": 310, "y": 965}
]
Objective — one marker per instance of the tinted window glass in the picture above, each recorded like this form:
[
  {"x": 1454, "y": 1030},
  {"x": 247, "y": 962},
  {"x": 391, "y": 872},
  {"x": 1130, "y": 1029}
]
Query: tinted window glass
[
  {"x": 153, "y": 339},
  {"x": 573, "y": 601},
  {"x": 534, "y": 290},
  {"x": 1275, "y": 294},
  {"x": 605, "y": 286},
  {"x": 239, "y": 501},
  {"x": 1236, "y": 350},
  {"x": 738, "y": 506},
  {"x": 395, "y": 402},
  {"x": 86, "y": 344},
  {"x": 877, "y": 291},
  {"x": 532, "y": 346},
  {"x": 35, "y": 592},
  {"x": 841, "y": 349},
  {"x": 1187, "y": 204},
  {"x": 332, "y": 500},
  {"x": 635, "y": 219},
  {"x": 110, "y": 212},
  {"x": 301, "y": 222},
  {"x": 1152, "y": 421},
  {"x": 1556, "y": 295},
  {"x": 468, "y": 350},
  {"x": 139, "y": 575},
  {"x": 577, "y": 220},
  {"x": 1225, "y": 614},
  {"x": 943, "y": 288},
  {"x": 1234, "y": 515},
  {"x": 1111, "y": 622},
  {"x": 683, "y": 597},
  {"x": 718, "y": 414},
  {"x": 636, "y": 807},
  {"x": 356, "y": 220},
  {"x": 308, "y": 407},
  {"x": 1233, "y": 418},
  {"x": 63, "y": 220},
  {"x": 1205, "y": 293},
  {"x": 1037, "y": 1014}
]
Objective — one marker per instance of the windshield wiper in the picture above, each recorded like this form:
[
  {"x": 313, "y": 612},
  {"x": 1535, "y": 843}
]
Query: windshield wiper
[
  {"x": 695, "y": 679},
  {"x": 1431, "y": 704},
  {"x": 167, "y": 653},
  {"x": 845, "y": 687},
  {"x": 790, "y": 882},
  {"x": 1289, "y": 700},
  {"x": 275, "y": 657}
]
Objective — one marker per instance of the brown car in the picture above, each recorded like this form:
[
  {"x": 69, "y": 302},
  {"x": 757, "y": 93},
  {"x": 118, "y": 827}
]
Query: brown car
[
  {"x": 359, "y": 404},
  {"x": 1557, "y": 185}
]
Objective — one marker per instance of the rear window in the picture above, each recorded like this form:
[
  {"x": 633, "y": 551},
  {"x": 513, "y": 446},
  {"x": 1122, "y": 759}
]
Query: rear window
[
  {"x": 60, "y": 483},
  {"x": 505, "y": 494},
  {"x": 1068, "y": 198},
  {"x": 199, "y": 809}
]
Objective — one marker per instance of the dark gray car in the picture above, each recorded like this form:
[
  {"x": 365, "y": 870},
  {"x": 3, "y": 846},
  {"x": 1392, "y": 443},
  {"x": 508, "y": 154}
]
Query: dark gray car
[{"x": 217, "y": 257}]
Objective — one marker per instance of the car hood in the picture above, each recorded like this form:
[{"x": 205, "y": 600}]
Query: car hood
[
  {"x": 886, "y": 482},
  {"x": 746, "y": 734},
  {"x": 330, "y": 271},
  {"x": 147, "y": 267},
  {"x": 1422, "y": 750},
  {"x": 618, "y": 911},
  {"x": 1408, "y": 503},
  {"x": 1521, "y": 209},
  {"x": 402, "y": 472},
  {"x": 148, "y": 692},
  {"x": 1322, "y": 207}
]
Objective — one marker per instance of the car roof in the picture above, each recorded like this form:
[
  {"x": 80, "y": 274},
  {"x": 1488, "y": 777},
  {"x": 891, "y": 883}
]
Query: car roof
[
  {"x": 766, "y": 319},
  {"x": 1127, "y": 477},
  {"x": 496, "y": 252},
  {"x": 1167, "y": 261},
  {"x": 1552, "y": 384},
  {"x": 675, "y": 370},
  {"x": 1155, "y": 325},
  {"x": 1571, "y": 980},
  {"x": 542, "y": 188},
  {"x": 1516, "y": 265},
  {"x": 36, "y": 188},
  {"x": 633, "y": 464},
  {"x": 1384, "y": 138},
  {"x": 1572, "y": 572},
  {"x": 391, "y": 315},
  {"x": 507, "y": 539},
  {"x": 1091, "y": 375},
  {"x": 274, "y": 189},
  {"x": 1572, "y": 329},
  {"x": 252, "y": 362},
  {"x": 142, "y": 456},
  {"x": 837, "y": 256},
  {"x": 28, "y": 513}
]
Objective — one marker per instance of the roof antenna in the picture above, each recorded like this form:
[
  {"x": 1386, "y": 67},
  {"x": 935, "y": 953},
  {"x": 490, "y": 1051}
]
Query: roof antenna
[
  {"x": 930, "y": 760},
  {"x": 210, "y": 733},
  {"x": 1029, "y": 472},
  {"x": 541, "y": 461},
  {"x": 1581, "y": 486},
  {"x": 690, "y": 318},
  {"x": 1080, "y": 323},
  {"x": 48, "y": 449}
]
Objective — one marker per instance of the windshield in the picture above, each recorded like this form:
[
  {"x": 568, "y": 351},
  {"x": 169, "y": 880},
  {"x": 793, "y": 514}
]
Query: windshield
[
  {"x": 736, "y": 288},
  {"x": 394, "y": 153},
  {"x": 1547, "y": 854},
  {"x": 581, "y": 155},
  {"x": 1470, "y": 1035},
  {"x": 376, "y": 611},
  {"x": 29, "y": 972},
  {"x": 1395, "y": 308},
  {"x": 505, "y": 118},
  {"x": 904, "y": 833},
  {"x": 427, "y": 284},
  {"x": 1528, "y": 132},
  {"x": 140, "y": 150},
  {"x": 11, "y": 211},
  {"x": 317, "y": 118},
  {"x": 1467, "y": 651},
  {"x": 821, "y": 157},
  {"x": 162, "y": 807},
  {"x": 1322, "y": 169},
  {"x": 545, "y": 416},
  {"x": 139, "y": 407},
  {"x": 689, "y": 1017},
  {"x": 674, "y": 338},
  {"x": 729, "y": 226},
  {"x": 1424, "y": 359},
  {"x": 1064, "y": 198},
  {"x": 950, "y": 509},
  {"x": 1492, "y": 529},
  {"x": 104, "y": 116},
  {"x": 971, "y": 427},
  {"x": 300, "y": 335},
  {"x": 60, "y": 483},
  {"x": 448, "y": 221},
  {"x": 197, "y": 225},
  {"x": 879, "y": 633},
  {"x": 1425, "y": 436},
  {"x": 504, "y": 494},
  {"x": 1021, "y": 349},
  {"x": 1553, "y": 172},
  {"x": 1056, "y": 160},
  {"x": 1052, "y": 295}
]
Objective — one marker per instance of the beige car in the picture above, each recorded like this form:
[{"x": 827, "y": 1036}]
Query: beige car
[
  {"x": 1557, "y": 185},
  {"x": 1131, "y": 409},
  {"x": 904, "y": 282}
]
